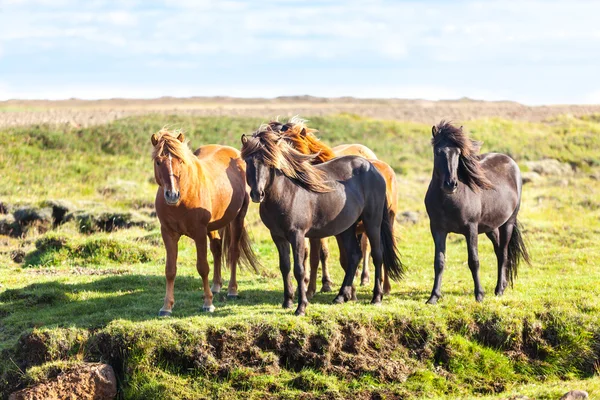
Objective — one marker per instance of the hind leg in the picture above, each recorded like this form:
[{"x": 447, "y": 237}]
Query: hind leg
[
  {"x": 373, "y": 232},
  {"x": 472, "y": 242},
  {"x": 501, "y": 238},
  {"x": 237, "y": 229},
  {"x": 315, "y": 251},
  {"x": 350, "y": 248},
  {"x": 298, "y": 250},
  {"x": 364, "y": 246},
  {"x": 439, "y": 262},
  {"x": 216, "y": 248},
  {"x": 203, "y": 269},
  {"x": 326, "y": 282}
]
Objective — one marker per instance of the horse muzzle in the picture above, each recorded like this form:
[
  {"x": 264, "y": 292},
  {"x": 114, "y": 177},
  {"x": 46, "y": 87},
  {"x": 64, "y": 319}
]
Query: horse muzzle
[
  {"x": 257, "y": 196},
  {"x": 450, "y": 187},
  {"x": 172, "y": 197}
]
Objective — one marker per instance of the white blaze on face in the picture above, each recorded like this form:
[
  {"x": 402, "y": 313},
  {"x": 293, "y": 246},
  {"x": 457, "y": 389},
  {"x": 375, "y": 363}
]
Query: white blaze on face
[{"x": 171, "y": 172}]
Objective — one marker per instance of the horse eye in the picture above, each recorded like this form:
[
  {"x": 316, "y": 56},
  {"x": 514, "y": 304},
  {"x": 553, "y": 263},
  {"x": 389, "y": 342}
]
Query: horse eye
[{"x": 157, "y": 162}]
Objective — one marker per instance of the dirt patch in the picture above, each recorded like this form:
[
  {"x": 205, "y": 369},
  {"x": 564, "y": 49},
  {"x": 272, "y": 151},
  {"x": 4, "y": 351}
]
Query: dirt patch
[{"x": 86, "y": 381}]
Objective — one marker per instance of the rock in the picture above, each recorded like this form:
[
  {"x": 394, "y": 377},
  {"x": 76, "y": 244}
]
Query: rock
[
  {"x": 9, "y": 226},
  {"x": 60, "y": 209},
  {"x": 108, "y": 221},
  {"x": 17, "y": 256},
  {"x": 28, "y": 217},
  {"x": 87, "y": 381},
  {"x": 550, "y": 166},
  {"x": 529, "y": 177},
  {"x": 408, "y": 217},
  {"x": 575, "y": 395}
]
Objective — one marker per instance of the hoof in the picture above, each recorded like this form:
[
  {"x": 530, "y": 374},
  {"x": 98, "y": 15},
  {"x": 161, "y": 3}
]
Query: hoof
[
  {"x": 326, "y": 288},
  {"x": 232, "y": 297},
  {"x": 432, "y": 300},
  {"x": 310, "y": 294},
  {"x": 364, "y": 281},
  {"x": 339, "y": 299},
  {"x": 299, "y": 312},
  {"x": 479, "y": 297},
  {"x": 209, "y": 309},
  {"x": 376, "y": 303},
  {"x": 215, "y": 289},
  {"x": 287, "y": 304},
  {"x": 164, "y": 313}
]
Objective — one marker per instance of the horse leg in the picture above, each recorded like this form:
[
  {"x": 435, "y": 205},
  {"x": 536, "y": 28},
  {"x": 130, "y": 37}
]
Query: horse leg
[
  {"x": 373, "y": 232},
  {"x": 472, "y": 240},
  {"x": 283, "y": 249},
  {"x": 364, "y": 244},
  {"x": 387, "y": 287},
  {"x": 315, "y": 252},
  {"x": 504, "y": 235},
  {"x": 439, "y": 239},
  {"x": 349, "y": 258},
  {"x": 203, "y": 269},
  {"x": 216, "y": 248},
  {"x": 298, "y": 249},
  {"x": 170, "y": 239},
  {"x": 325, "y": 279}
]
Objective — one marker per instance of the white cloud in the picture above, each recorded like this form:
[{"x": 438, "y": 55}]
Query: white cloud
[{"x": 593, "y": 97}]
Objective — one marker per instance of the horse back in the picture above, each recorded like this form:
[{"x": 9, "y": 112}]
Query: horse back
[
  {"x": 354, "y": 150},
  {"x": 502, "y": 171}
]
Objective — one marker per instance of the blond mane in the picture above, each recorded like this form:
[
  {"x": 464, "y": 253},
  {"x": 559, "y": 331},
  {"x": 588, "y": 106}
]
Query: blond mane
[
  {"x": 168, "y": 143},
  {"x": 269, "y": 144}
]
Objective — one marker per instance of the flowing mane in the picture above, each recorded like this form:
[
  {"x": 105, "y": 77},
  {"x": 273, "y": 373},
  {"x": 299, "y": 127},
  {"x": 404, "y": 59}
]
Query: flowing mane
[
  {"x": 303, "y": 139},
  {"x": 267, "y": 143},
  {"x": 469, "y": 169},
  {"x": 168, "y": 143}
]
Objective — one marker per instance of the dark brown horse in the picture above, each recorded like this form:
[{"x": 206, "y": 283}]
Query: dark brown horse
[
  {"x": 471, "y": 194},
  {"x": 201, "y": 195},
  {"x": 298, "y": 200},
  {"x": 303, "y": 139}
]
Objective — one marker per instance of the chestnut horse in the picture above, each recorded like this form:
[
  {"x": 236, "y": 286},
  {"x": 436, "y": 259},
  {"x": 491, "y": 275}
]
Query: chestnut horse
[
  {"x": 303, "y": 139},
  {"x": 201, "y": 195},
  {"x": 298, "y": 199},
  {"x": 470, "y": 194}
]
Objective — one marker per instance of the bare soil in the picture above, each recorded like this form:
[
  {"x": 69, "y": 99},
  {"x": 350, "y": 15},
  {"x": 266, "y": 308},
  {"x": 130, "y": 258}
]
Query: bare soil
[{"x": 90, "y": 112}]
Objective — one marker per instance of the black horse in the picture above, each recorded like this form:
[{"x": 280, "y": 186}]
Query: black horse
[
  {"x": 299, "y": 200},
  {"x": 471, "y": 194}
]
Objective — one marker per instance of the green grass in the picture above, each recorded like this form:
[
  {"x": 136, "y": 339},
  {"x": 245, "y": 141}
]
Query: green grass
[{"x": 84, "y": 295}]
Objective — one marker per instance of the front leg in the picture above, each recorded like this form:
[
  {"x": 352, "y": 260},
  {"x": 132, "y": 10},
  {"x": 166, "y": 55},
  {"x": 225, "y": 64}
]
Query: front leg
[
  {"x": 472, "y": 236},
  {"x": 283, "y": 249},
  {"x": 439, "y": 239},
  {"x": 315, "y": 252},
  {"x": 170, "y": 239},
  {"x": 299, "y": 248}
]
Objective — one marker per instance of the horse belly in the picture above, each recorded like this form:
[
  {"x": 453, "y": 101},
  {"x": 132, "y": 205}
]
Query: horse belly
[{"x": 331, "y": 222}]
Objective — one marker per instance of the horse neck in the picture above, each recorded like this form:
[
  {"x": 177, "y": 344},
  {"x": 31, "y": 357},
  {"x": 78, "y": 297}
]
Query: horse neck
[{"x": 276, "y": 189}]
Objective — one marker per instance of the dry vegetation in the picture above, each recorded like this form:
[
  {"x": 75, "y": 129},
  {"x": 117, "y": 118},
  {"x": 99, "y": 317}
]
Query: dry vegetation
[{"x": 85, "y": 113}]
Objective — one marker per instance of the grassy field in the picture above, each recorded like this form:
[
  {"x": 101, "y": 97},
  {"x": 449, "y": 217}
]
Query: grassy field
[{"x": 89, "y": 288}]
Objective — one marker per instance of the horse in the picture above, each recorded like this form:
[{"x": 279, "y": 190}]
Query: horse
[
  {"x": 303, "y": 139},
  {"x": 471, "y": 193},
  {"x": 201, "y": 195},
  {"x": 298, "y": 199}
]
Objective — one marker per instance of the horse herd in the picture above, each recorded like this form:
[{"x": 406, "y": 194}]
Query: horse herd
[{"x": 308, "y": 190}]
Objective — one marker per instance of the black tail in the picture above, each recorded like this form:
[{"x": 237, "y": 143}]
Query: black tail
[
  {"x": 391, "y": 260},
  {"x": 516, "y": 252},
  {"x": 247, "y": 257}
]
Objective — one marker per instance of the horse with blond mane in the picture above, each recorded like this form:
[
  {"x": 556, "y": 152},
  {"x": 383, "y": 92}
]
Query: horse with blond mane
[
  {"x": 201, "y": 195},
  {"x": 298, "y": 199},
  {"x": 304, "y": 140}
]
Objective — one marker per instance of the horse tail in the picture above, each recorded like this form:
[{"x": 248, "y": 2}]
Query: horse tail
[
  {"x": 516, "y": 252},
  {"x": 391, "y": 260},
  {"x": 243, "y": 247}
]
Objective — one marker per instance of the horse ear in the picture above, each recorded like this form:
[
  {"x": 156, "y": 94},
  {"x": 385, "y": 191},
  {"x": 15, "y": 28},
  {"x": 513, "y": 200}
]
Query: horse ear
[
  {"x": 180, "y": 137},
  {"x": 476, "y": 145},
  {"x": 303, "y": 132},
  {"x": 154, "y": 139},
  {"x": 244, "y": 139},
  {"x": 434, "y": 130}
]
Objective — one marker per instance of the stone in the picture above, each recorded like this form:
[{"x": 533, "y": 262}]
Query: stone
[
  {"x": 575, "y": 395},
  {"x": 9, "y": 226},
  {"x": 408, "y": 217},
  {"x": 530, "y": 177},
  {"x": 86, "y": 382},
  {"x": 550, "y": 166}
]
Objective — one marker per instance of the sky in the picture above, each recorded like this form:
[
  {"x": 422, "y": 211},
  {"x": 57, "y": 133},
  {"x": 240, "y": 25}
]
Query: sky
[{"x": 534, "y": 52}]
